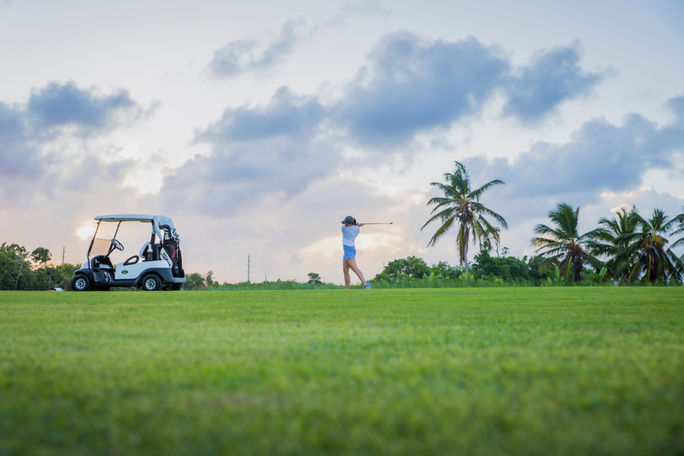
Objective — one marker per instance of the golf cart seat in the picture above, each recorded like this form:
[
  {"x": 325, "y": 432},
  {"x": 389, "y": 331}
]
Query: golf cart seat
[
  {"x": 146, "y": 252},
  {"x": 103, "y": 270},
  {"x": 102, "y": 262},
  {"x": 151, "y": 252}
]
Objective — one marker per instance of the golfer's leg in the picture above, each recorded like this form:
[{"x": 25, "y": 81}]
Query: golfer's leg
[
  {"x": 357, "y": 271},
  {"x": 345, "y": 270}
]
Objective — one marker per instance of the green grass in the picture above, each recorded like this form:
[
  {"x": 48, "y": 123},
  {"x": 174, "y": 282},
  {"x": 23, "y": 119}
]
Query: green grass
[{"x": 462, "y": 371}]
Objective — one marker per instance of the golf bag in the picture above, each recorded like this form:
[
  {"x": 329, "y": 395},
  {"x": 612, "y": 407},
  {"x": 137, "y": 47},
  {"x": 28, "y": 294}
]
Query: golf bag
[{"x": 172, "y": 249}]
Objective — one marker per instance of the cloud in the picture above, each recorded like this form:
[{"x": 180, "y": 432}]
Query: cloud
[
  {"x": 600, "y": 157},
  {"x": 252, "y": 54},
  {"x": 37, "y": 139},
  {"x": 552, "y": 77},
  {"x": 241, "y": 56},
  {"x": 60, "y": 105},
  {"x": 412, "y": 84},
  {"x": 676, "y": 105},
  {"x": 349, "y": 9},
  {"x": 238, "y": 176},
  {"x": 286, "y": 115},
  {"x": 69, "y": 184},
  {"x": 92, "y": 172},
  {"x": 25, "y": 129},
  {"x": 268, "y": 151},
  {"x": 18, "y": 156}
]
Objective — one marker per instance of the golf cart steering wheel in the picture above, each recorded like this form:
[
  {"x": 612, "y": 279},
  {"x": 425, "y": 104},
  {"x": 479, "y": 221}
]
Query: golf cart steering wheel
[{"x": 117, "y": 244}]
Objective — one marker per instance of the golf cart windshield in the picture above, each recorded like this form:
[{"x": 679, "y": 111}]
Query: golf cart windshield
[
  {"x": 102, "y": 241},
  {"x": 111, "y": 237},
  {"x": 100, "y": 247}
]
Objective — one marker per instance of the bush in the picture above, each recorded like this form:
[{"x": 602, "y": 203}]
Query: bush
[{"x": 18, "y": 273}]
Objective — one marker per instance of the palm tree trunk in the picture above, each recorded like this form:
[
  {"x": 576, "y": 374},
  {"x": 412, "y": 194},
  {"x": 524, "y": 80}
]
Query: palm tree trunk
[{"x": 466, "y": 265}]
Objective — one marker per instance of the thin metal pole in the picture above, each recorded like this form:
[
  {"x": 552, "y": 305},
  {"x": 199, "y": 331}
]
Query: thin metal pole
[{"x": 249, "y": 265}]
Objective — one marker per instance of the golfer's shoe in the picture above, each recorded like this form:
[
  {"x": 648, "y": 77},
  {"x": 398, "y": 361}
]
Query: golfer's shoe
[{"x": 367, "y": 287}]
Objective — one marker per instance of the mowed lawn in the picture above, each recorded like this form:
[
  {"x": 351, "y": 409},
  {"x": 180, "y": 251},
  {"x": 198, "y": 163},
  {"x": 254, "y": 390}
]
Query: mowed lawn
[{"x": 459, "y": 371}]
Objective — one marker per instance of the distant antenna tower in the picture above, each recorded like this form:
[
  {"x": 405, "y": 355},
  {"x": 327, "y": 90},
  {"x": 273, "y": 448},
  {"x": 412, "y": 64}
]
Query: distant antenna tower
[
  {"x": 63, "y": 250},
  {"x": 249, "y": 265}
]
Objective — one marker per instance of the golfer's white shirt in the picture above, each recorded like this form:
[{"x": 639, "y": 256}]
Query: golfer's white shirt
[{"x": 349, "y": 233}]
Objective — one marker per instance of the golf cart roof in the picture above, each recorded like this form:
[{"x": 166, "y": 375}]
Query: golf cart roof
[
  {"x": 156, "y": 220},
  {"x": 159, "y": 219}
]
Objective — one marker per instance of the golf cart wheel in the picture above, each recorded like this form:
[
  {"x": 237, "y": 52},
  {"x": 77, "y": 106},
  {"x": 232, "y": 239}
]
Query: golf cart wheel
[
  {"x": 80, "y": 283},
  {"x": 151, "y": 282}
]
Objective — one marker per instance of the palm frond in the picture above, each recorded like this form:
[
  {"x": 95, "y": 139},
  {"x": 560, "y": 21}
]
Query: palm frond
[
  {"x": 475, "y": 194},
  {"x": 441, "y": 231},
  {"x": 479, "y": 207},
  {"x": 439, "y": 201},
  {"x": 443, "y": 215}
]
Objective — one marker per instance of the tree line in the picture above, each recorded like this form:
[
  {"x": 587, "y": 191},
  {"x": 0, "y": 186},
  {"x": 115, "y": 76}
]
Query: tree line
[
  {"x": 628, "y": 248},
  {"x": 24, "y": 270},
  {"x": 486, "y": 270}
]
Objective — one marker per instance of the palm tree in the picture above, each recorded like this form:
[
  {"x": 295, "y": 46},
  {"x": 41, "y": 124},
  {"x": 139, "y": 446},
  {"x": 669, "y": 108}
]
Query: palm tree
[
  {"x": 679, "y": 231},
  {"x": 562, "y": 244},
  {"x": 614, "y": 239},
  {"x": 656, "y": 263},
  {"x": 461, "y": 204}
]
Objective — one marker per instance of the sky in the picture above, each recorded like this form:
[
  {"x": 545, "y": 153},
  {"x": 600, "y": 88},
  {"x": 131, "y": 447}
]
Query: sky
[{"x": 258, "y": 126}]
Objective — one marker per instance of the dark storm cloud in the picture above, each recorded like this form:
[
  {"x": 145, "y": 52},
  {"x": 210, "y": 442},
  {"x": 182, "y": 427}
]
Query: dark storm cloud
[
  {"x": 285, "y": 115},
  {"x": 552, "y": 77},
  {"x": 411, "y": 84},
  {"x": 241, "y": 56},
  {"x": 58, "y": 105}
]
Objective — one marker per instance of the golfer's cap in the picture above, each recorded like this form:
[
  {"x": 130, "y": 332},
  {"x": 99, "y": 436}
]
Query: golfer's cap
[{"x": 348, "y": 219}]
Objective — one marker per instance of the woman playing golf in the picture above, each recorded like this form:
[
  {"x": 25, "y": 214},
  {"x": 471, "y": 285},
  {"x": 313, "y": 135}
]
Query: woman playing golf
[{"x": 349, "y": 232}]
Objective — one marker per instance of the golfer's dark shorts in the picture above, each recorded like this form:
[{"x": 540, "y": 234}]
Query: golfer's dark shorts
[{"x": 349, "y": 252}]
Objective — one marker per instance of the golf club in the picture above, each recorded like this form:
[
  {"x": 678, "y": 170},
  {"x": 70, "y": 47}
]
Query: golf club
[{"x": 378, "y": 223}]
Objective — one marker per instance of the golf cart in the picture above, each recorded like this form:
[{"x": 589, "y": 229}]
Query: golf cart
[{"x": 158, "y": 264}]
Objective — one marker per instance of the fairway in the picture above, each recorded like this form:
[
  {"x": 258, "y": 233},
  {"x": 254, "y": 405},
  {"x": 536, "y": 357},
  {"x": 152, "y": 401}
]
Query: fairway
[{"x": 430, "y": 371}]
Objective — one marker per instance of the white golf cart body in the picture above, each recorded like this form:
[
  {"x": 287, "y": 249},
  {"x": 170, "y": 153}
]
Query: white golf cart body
[{"x": 157, "y": 265}]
